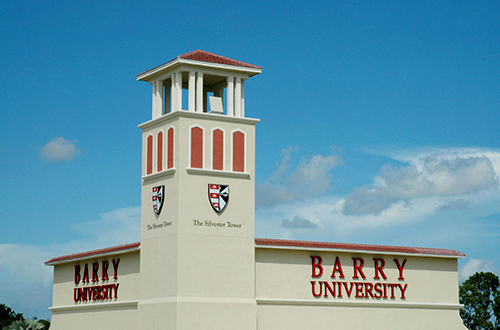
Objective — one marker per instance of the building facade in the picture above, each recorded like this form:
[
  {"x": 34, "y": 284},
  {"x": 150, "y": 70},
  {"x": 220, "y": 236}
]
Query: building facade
[{"x": 198, "y": 264}]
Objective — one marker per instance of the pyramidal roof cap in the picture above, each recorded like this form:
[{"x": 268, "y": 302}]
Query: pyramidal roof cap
[{"x": 201, "y": 56}]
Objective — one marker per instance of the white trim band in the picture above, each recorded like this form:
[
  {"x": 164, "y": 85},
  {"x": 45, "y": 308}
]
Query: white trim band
[
  {"x": 306, "y": 302},
  {"x": 201, "y": 171},
  {"x": 120, "y": 304}
]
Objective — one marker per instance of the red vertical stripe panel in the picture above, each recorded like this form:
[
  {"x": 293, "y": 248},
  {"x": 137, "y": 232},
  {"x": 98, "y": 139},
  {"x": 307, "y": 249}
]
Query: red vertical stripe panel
[
  {"x": 159, "y": 160},
  {"x": 238, "y": 152},
  {"x": 149, "y": 156},
  {"x": 196, "y": 147},
  {"x": 170, "y": 152},
  {"x": 218, "y": 150}
]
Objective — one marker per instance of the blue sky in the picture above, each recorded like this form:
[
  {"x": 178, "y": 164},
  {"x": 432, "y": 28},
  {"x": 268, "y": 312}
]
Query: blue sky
[{"x": 379, "y": 123}]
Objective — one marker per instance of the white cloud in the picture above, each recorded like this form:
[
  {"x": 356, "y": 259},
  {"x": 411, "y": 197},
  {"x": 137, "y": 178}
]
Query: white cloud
[
  {"x": 474, "y": 266},
  {"x": 454, "y": 204},
  {"x": 117, "y": 226},
  {"x": 26, "y": 283},
  {"x": 428, "y": 176},
  {"x": 310, "y": 178},
  {"x": 59, "y": 149},
  {"x": 298, "y": 223},
  {"x": 24, "y": 260}
]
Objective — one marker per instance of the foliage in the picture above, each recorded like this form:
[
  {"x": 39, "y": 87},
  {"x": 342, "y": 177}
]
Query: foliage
[
  {"x": 7, "y": 316},
  {"x": 24, "y": 324},
  {"x": 480, "y": 294},
  {"x": 10, "y": 320}
]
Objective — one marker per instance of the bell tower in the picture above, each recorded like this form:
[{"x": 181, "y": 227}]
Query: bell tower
[{"x": 197, "y": 210}]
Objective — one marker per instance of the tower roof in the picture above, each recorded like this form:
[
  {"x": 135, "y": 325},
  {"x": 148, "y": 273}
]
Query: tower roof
[{"x": 202, "y": 56}]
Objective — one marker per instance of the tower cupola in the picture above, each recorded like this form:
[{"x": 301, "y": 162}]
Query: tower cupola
[{"x": 200, "y": 81}]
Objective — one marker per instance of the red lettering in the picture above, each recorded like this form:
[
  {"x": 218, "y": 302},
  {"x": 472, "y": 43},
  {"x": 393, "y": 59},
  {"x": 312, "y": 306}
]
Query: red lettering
[
  {"x": 75, "y": 295},
  {"x": 77, "y": 274},
  {"x": 316, "y": 264},
  {"x": 392, "y": 285},
  {"x": 348, "y": 290},
  {"x": 85, "y": 274},
  {"x": 340, "y": 288},
  {"x": 95, "y": 269},
  {"x": 332, "y": 291},
  {"x": 81, "y": 295},
  {"x": 368, "y": 289},
  {"x": 400, "y": 267},
  {"x": 403, "y": 290},
  {"x": 358, "y": 268},
  {"x": 379, "y": 290},
  {"x": 104, "y": 291},
  {"x": 115, "y": 268},
  {"x": 314, "y": 291},
  {"x": 337, "y": 268},
  {"x": 116, "y": 288},
  {"x": 385, "y": 290},
  {"x": 105, "y": 265},
  {"x": 359, "y": 290},
  {"x": 379, "y": 268}
]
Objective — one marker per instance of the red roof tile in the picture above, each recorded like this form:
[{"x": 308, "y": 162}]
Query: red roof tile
[
  {"x": 95, "y": 252},
  {"x": 287, "y": 243},
  {"x": 358, "y": 247},
  {"x": 201, "y": 55}
]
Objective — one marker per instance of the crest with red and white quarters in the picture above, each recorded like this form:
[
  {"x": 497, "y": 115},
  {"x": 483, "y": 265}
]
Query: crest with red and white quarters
[
  {"x": 218, "y": 195},
  {"x": 158, "y": 198}
]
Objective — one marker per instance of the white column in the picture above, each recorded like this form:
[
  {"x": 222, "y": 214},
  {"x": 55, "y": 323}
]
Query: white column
[
  {"x": 178, "y": 86},
  {"x": 173, "y": 106},
  {"x": 237, "y": 97},
  {"x": 199, "y": 92},
  {"x": 230, "y": 96},
  {"x": 205, "y": 100},
  {"x": 192, "y": 91},
  {"x": 242, "y": 98},
  {"x": 167, "y": 106},
  {"x": 153, "y": 101},
  {"x": 157, "y": 99}
]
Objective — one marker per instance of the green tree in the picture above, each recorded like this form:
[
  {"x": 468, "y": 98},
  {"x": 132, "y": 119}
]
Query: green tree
[
  {"x": 7, "y": 316},
  {"x": 24, "y": 324},
  {"x": 480, "y": 294}
]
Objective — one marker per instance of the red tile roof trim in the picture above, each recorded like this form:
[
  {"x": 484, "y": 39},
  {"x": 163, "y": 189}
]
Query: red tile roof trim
[
  {"x": 203, "y": 56},
  {"x": 94, "y": 252},
  {"x": 357, "y": 247},
  {"x": 285, "y": 243}
]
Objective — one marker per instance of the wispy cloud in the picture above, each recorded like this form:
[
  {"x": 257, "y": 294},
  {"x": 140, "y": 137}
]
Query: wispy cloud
[
  {"x": 27, "y": 283},
  {"x": 298, "y": 223},
  {"x": 454, "y": 204},
  {"x": 474, "y": 266},
  {"x": 435, "y": 175},
  {"x": 309, "y": 179},
  {"x": 59, "y": 149}
]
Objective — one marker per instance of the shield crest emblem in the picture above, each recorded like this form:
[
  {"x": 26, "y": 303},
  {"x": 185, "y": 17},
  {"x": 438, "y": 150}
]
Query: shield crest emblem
[
  {"x": 158, "y": 198},
  {"x": 218, "y": 195}
]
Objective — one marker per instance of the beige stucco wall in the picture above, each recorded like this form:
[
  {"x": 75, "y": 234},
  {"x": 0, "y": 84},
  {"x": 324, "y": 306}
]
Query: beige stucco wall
[
  {"x": 285, "y": 299},
  {"x": 194, "y": 275},
  {"x": 114, "y": 313}
]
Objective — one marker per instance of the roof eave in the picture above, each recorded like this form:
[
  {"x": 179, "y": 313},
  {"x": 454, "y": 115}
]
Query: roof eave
[
  {"x": 89, "y": 255},
  {"x": 279, "y": 244},
  {"x": 147, "y": 75}
]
